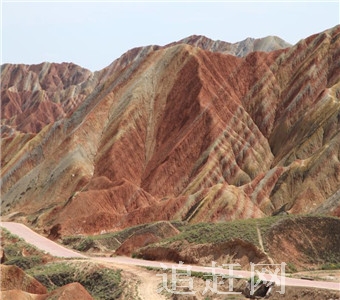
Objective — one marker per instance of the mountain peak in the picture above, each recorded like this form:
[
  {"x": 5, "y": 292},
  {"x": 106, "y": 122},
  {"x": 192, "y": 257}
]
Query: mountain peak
[
  {"x": 242, "y": 48},
  {"x": 176, "y": 132}
]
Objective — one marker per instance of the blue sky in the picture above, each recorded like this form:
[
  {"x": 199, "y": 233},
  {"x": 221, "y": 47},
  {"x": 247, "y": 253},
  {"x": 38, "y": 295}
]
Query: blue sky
[{"x": 93, "y": 34}]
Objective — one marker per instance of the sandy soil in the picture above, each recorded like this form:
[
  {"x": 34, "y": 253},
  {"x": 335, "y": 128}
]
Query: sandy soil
[{"x": 140, "y": 283}]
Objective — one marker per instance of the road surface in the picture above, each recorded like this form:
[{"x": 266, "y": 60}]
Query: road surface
[
  {"x": 39, "y": 241},
  {"x": 59, "y": 251}
]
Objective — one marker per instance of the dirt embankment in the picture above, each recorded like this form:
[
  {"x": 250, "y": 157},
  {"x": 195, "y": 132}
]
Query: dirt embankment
[
  {"x": 301, "y": 293},
  {"x": 234, "y": 251},
  {"x": 13, "y": 278},
  {"x": 145, "y": 236},
  {"x": 305, "y": 242},
  {"x": 16, "y": 284}
]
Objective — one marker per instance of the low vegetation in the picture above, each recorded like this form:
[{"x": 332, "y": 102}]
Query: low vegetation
[
  {"x": 246, "y": 230},
  {"x": 197, "y": 233},
  {"x": 110, "y": 241},
  {"x": 100, "y": 282},
  {"x": 20, "y": 253},
  {"x": 331, "y": 266},
  {"x": 105, "y": 241},
  {"x": 25, "y": 263},
  {"x": 299, "y": 236},
  {"x": 106, "y": 283}
]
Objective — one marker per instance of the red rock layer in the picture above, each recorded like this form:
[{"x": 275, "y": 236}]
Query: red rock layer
[
  {"x": 16, "y": 284},
  {"x": 183, "y": 133},
  {"x": 13, "y": 278},
  {"x": 33, "y": 96},
  {"x": 36, "y": 95}
]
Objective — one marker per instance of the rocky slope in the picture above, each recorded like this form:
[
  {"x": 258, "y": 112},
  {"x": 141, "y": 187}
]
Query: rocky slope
[
  {"x": 16, "y": 284},
  {"x": 175, "y": 132},
  {"x": 243, "y": 48},
  {"x": 33, "y": 96},
  {"x": 13, "y": 278}
]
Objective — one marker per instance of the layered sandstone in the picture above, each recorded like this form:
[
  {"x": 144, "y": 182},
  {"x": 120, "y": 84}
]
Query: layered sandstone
[
  {"x": 33, "y": 96},
  {"x": 179, "y": 132}
]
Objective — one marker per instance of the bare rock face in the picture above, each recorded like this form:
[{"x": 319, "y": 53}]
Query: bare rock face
[
  {"x": 13, "y": 278},
  {"x": 33, "y": 96},
  {"x": 304, "y": 241},
  {"x": 36, "y": 95},
  {"x": 71, "y": 291},
  {"x": 180, "y": 132},
  {"x": 16, "y": 284},
  {"x": 20, "y": 295}
]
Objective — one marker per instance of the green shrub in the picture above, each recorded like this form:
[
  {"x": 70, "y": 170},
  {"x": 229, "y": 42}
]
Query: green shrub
[
  {"x": 255, "y": 279},
  {"x": 291, "y": 267},
  {"x": 219, "y": 232},
  {"x": 330, "y": 266},
  {"x": 25, "y": 262},
  {"x": 71, "y": 240},
  {"x": 101, "y": 283},
  {"x": 85, "y": 244}
]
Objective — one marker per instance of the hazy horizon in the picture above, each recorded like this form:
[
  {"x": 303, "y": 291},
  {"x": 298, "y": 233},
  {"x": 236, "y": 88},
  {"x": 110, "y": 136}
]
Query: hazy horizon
[{"x": 93, "y": 34}]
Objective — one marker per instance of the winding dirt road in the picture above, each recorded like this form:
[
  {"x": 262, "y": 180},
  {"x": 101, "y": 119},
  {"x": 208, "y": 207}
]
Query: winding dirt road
[
  {"x": 40, "y": 241},
  {"x": 59, "y": 251}
]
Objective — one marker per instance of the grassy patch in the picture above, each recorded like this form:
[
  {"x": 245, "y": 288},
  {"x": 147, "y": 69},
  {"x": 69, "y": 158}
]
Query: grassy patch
[
  {"x": 14, "y": 247},
  {"x": 25, "y": 262},
  {"x": 331, "y": 266},
  {"x": 85, "y": 244},
  {"x": 291, "y": 268},
  {"x": 8, "y": 235},
  {"x": 108, "y": 241},
  {"x": 13, "y": 244},
  {"x": 53, "y": 275},
  {"x": 220, "y": 232},
  {"x": 101, "y": 283}
]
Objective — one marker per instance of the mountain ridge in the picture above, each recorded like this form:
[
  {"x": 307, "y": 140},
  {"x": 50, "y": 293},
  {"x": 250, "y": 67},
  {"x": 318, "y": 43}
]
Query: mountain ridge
[
  {"x": 184, "y": 133},
  {"x": 49, "y": 84}
]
